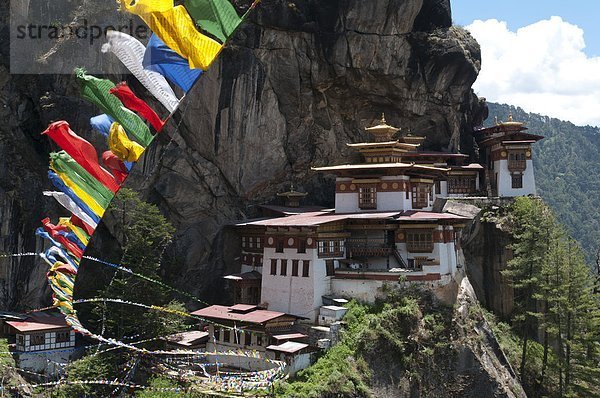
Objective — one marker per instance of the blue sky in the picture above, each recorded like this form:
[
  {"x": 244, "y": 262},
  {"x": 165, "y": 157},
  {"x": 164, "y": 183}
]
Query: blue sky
[{"x": 541, "y": 55}]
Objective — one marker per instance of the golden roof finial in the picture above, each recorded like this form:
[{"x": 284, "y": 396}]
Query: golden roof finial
[
  {"x": 510, "y": 117},
  {"x": 496, "y": 120},
  {"x": 383, "y": 118}
]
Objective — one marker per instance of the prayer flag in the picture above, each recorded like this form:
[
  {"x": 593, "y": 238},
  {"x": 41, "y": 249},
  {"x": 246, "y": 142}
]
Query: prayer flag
[
  {"x": 177, "y": 30},
  {"x": 130, "y": 52},
  {"x": 217, "y": 17},
  {"x": 97, "y": 91},
  {"x": 64, "y": 164},
  {"x": 91, "y": 217},
  {"x": 79, "y": 222},
  {"x": 81, "y": 151},
  {"x": 101, "y": 124},
  {"x": 115, "y": 164},
  {"x": 160, "y": 58},
  {"x": 131, "y": 101},
  {"x": 121, "y": 146}
]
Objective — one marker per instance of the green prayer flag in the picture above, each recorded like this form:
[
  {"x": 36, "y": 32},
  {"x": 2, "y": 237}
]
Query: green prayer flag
[
  {"x": 217, "y": 17},
  {"x": 97, "y": 91},
  {"x": 62, "y": 163}
]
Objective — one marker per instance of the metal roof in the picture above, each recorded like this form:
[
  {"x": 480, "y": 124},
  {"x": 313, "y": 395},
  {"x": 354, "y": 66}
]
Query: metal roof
[
  {"x": 224, "y": 313},
  {"x": 40, "y": 321},
  {"x": 187, "y": 338},
  {"x": 289, "y": 347}
]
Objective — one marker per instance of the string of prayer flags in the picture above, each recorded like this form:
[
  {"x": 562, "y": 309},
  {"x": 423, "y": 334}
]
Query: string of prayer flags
[
  {"x": 65, "y": 166},
  {"x": 81, "y": 223},
  {"x": 161, "y": 59},
  {"x": 217, "y": 17},
  {"x": 81, "y": 234},
  {"x": 117, "y": 166},
  {"x": 81, "y": 151},
  {"x": 102, "y": 123},
  {"x": 123, "y": 147},
  {"x": 97, "y": 92},
  {"x": 177, "y": 30},
  {"x": 130, "y": 51},
  {"x": 66, "y": 200},
  {"x": 70, "y": 246},
  {"x": 84, "y": 200},
  {"x": 131, "y": 101}
]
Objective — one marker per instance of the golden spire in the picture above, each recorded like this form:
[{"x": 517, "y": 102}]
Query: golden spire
[
  {"x": 510, "y": 117},
  {"x": 383, "y": 118}
]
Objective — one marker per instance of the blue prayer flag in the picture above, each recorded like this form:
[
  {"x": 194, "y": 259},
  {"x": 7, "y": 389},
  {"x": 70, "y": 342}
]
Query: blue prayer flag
[
  {"x": 160, "y": 58},
  {"x": 102, "y": 123}
]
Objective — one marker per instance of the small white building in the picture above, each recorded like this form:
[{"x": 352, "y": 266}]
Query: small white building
[
  {"x": 43, "y": 342},
  {"x": 505, "y": 150}
]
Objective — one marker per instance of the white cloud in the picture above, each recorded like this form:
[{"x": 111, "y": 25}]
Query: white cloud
[{"x": 540, "y": 67}]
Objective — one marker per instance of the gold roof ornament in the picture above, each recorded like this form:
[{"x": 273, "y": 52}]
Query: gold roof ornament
[
  {"x": 292, "y": 197},
  {"x": 382, "y": 132},
  {"x": 510, "y": 122}
]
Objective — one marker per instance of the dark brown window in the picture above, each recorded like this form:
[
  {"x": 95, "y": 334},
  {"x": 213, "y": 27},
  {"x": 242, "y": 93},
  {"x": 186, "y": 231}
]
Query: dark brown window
[
  {"x": 461, "y": 184},
  {"x": 63, "y": 337},
  {"x": 216, "y": 334},
  {"x": 273, "y": 266},
  {"x": 295, "y": 267},
  {"x": 420, "y": 195},
  {"x": 419, "y": 241},
  {"x": 517, "y": 180},
  {"x": 259, "y": 339},
  {"x": 301, "y": 245},
  {"x": 38, "y": 339},
  {"x": 329, "y": 267},
  {"x": 331, "y": 248},
  {"x": 305, "y": 267},
  {"x": 226, "y": 336},
  {"x": 279, "y": 248},
  {"x": 283, "y": 267},
  {"x": 247, "y": 338},
  {"x": 517, "y": 160},
  {"x": 367, "y": 198}
]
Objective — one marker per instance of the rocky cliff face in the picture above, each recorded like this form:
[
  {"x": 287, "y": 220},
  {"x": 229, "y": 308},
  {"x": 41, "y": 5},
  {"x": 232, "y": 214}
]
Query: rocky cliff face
[{"x": 299, "y": 81}]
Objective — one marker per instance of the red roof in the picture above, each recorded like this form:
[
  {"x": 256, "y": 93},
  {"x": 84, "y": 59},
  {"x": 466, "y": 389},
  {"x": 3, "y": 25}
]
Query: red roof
[
  {"x": 40, "y": 321},
  {"x": 429, "y": 216},
  {"x": 225, "y": 313},
  {"x": 319, "y": 218}
]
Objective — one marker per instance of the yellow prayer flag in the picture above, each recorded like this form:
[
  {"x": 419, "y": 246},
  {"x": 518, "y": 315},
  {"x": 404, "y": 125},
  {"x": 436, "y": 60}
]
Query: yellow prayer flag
[
  {"x": 81, "y": 194},
  {"x": 65, "y": 221},
  {"x": 177, "y": 30},
  {"x": 147, "y": 6},
  {"x": 122, "y": 146}
]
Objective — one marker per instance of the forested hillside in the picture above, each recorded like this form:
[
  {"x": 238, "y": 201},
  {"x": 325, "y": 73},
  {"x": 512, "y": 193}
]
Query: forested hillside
[{"x": 567, "y": 171}]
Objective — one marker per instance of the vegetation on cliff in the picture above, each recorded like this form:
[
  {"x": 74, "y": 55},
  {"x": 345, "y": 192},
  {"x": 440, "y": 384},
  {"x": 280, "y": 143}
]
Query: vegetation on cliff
[{"x": 557, "y": 305}]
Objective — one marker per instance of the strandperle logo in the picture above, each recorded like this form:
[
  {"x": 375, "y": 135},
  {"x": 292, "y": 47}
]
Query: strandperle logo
[
  {"x": 83, "y": 31},
  {"x": 56, "y": 36}
]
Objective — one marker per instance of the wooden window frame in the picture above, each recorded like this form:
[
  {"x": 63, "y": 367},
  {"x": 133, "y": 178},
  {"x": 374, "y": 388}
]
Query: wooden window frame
[
  {"x": 273, "y": 266},
  {"x": 420, "y": 195},
  {"x": 367, "y": 197},
  {"x": 331, "y": 248},
  {"x": 517, "y": 160},
  {"x": 37, "y": 336},
  {"x": 63, "y": 337},
  {"x": 516, "y": 181},
  {"x": 283, "y": 267},
  {"x": 305, "y": 268},
  {"x": 461, "y": 184},
  {"x": 301, "y": 245},
  {"x": 329, "y": 267},
  {"x": 279, "y": 245},
  {"x": 419, "y": 241},
  {"x": 295, "y": 267}
]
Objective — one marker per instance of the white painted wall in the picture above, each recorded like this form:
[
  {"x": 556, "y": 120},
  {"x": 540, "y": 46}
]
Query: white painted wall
[
  {"x": 47, "y": 361},
  {"x": 505, "y": 183},
  {"x": 295, "y": 295},
  {"x": 346, "y": 202}
]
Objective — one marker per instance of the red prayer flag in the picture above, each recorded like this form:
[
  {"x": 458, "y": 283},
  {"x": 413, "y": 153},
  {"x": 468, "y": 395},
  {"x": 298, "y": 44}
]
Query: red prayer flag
[
  {"x": 131, "y": 101},
  {"x": 82, "y": 151},
  {"x": 115, "y": 165},
  {"x": 54, "y": 230},
  {"x": 78, "y": 222}
]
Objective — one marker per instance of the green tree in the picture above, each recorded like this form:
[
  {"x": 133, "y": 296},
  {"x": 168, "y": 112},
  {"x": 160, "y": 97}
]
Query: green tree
[{"x": 145, "y": 234}]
